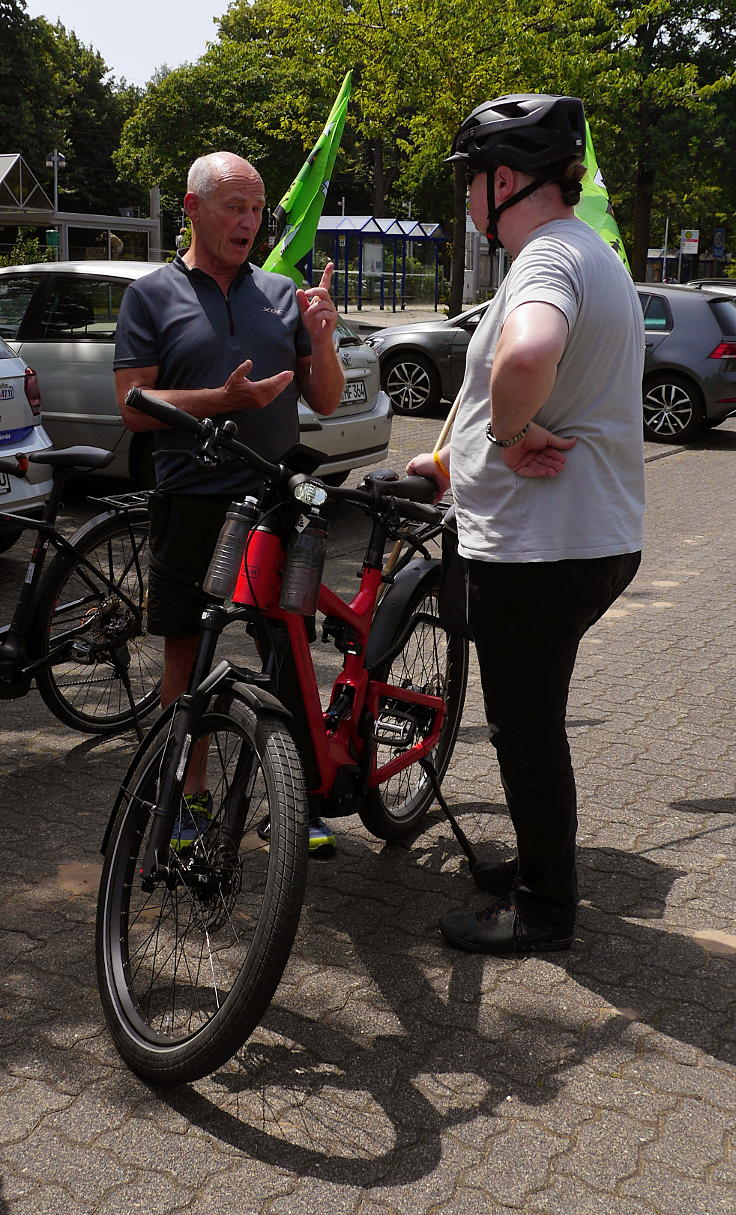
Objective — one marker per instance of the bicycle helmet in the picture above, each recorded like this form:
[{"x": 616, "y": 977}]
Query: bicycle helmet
[{"x": 534, "y": 133}]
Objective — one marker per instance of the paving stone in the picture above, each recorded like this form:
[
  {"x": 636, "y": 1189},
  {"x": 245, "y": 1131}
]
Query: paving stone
[{"x": 392, "y": 1075}]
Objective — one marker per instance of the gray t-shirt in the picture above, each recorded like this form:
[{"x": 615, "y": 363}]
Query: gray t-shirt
[
  {"x": 595, "y": 506},
  {"x": 178, "y": 320}
]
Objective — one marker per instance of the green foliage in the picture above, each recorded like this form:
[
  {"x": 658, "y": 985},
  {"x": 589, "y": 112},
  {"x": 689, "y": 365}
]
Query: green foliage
[
  {"x": 60, "y": 97},
  {"x": 26, "y": 251}
]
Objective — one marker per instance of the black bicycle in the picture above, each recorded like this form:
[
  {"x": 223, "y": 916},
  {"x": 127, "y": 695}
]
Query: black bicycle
[{"x": 79, "y": 625}]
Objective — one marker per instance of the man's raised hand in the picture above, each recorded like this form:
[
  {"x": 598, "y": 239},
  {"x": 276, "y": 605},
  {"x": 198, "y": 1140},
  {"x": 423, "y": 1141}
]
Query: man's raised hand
[{"x": 318, "y": 311}]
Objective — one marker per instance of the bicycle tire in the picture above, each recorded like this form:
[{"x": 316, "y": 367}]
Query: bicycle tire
[
  {"x": 432, "y": 661},
  {"x": 187, "y": 970},
  {"x": 87, "y": 692}
]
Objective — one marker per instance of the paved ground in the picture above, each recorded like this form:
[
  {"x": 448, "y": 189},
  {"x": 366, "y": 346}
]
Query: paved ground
[{"x": 392, "y": 1075}]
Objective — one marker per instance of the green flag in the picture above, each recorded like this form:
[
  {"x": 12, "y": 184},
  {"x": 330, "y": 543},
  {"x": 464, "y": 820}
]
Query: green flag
[
  {"x": 594, "y": 206},
  {"x": 302, "y": 204}
]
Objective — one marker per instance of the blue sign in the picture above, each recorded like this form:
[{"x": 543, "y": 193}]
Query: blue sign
[{"x": 719, "y": 244}]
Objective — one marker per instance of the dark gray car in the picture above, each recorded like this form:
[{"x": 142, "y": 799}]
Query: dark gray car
[{"x": 689, "y": 368}]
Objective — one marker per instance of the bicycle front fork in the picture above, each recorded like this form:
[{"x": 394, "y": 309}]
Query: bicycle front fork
[{"x": 177, "y": 751}]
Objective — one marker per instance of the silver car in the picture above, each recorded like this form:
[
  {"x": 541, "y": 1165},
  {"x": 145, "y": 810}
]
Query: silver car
[
  {"x": 21, "y": 432},
  {"x": 61, "y": 317}
]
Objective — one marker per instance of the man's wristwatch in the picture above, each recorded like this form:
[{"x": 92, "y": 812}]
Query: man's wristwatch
[{"x": 505, "y": 442}]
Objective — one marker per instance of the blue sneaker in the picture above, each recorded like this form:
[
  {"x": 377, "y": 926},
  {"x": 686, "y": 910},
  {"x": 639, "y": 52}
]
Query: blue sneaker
[
  {"x": 322, "y": 839},
  {"x": 195, "y": 818}
]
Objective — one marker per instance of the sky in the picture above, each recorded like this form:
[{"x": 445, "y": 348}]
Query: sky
[{"x": 135, "y": 37}]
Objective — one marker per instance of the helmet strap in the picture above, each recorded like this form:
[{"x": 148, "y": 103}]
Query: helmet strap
[{"x": 495, "y": 212}]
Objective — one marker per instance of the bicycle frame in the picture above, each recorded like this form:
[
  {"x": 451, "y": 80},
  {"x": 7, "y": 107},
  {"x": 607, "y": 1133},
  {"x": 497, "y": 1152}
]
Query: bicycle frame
[{"x": 338, "y": 737}]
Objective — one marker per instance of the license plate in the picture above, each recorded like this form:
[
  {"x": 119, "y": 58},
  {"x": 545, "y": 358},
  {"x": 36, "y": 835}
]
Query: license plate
[
  {"x": 354, "y": 391},
  {"x": 4, "y": 483}
]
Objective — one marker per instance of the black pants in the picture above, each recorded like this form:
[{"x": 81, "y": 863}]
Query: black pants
[{"x": 527, "y": 621}]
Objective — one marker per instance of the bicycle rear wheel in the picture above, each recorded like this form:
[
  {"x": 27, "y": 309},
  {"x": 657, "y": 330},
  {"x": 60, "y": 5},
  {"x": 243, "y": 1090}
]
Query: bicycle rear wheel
[
  {"x": 187, "y": 969},
  {"x": 435, "y": 662},
  {"x": 95, "y": 615}
]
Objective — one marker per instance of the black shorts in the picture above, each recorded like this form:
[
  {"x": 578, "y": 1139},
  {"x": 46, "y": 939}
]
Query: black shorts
[{"x": 183, "y": 532}]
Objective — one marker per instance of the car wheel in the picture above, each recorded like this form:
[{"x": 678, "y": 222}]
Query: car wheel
[
  {"x": 674, "y": 411},
  {"x": 412, "y": 383}
]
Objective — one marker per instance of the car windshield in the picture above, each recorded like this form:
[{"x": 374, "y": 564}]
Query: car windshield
[
  {"x": 345, "y": 335},
  {"x": 16, "y": 291},
  {"x": 6, "y": 352}
]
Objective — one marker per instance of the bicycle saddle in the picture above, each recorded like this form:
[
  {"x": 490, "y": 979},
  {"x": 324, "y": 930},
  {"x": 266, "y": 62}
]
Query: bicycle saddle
[{"x": 73, "y": 457}]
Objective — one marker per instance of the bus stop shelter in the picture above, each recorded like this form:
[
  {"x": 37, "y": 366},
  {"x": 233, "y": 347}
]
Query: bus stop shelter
[
  {"x": 359, "y": 238},
  {"x": 25, "y": 203}
]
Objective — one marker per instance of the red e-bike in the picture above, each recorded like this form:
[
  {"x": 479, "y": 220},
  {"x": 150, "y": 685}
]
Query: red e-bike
[{"x": 196, "y": 919}]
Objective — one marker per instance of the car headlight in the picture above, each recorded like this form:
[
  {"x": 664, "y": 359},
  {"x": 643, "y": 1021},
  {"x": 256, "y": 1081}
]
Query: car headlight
[{"x": 374, "y": 342}]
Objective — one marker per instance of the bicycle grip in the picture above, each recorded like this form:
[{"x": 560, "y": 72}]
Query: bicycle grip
[
  {"x": 162, "y": 411},
  {"x": 414, "y": 487},
  {"x": 419, "y": 512}
]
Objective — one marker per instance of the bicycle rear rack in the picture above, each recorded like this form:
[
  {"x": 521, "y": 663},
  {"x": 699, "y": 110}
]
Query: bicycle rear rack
[{"x": 124, "y": 501}]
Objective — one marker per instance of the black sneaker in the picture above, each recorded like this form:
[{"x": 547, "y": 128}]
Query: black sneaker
[{"x": 500, "y": 930}]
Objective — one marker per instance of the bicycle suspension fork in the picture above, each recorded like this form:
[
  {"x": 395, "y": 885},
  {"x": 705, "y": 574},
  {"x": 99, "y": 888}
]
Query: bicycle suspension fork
[{"x": 178, "y": 746}]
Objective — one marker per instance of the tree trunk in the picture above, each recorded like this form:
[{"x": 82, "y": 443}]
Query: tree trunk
[
  {"x": 379, "y": 180},
  {"x": 645, "y": 176},
  {"x": 457, "y": 264}
]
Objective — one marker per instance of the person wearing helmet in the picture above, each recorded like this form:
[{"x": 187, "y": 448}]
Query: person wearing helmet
[{"x": 546, "y": 467}]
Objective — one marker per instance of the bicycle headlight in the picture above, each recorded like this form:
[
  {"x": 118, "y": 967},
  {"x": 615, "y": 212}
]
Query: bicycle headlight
[{"x": 310, "y": 494}]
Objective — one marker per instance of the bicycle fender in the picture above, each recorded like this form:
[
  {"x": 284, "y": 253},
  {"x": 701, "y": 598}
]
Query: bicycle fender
[
  {"x": 253, "y": 696},
  {"x": 259, "y": 698},
  {"x": 165, "y": 715},
  {"x": 391, "y": 607}
]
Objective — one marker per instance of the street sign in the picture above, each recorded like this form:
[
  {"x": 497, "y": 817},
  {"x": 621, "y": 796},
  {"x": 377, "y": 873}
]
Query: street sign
[
  {"x": 719, "y": 244},
  {"x": 689, "y": 241}
]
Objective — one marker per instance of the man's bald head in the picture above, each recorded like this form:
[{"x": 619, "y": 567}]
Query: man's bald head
[{"x": 209, "y": 172}]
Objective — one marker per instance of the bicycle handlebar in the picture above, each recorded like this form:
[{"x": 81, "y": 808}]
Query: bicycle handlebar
[
  {"x": 162, "y": 411},
  {"x": 405, "y": 491}
]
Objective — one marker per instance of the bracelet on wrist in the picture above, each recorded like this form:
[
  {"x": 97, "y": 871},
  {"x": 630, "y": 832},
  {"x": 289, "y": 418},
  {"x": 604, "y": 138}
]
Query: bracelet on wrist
[
  {"x": 438, "y": 461},
  {"x": 505, "y": 442}
]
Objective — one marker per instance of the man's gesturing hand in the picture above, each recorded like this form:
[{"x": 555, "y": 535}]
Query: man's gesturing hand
[
  {"x": 241, "y": 393},
  {"x": 318, "y": 311},
  {"x": 539, "y": 454}
]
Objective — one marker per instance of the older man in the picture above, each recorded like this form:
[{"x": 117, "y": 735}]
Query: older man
[
  {"x": 221, "y": 338},
  {"x": 546, "y": 462}
]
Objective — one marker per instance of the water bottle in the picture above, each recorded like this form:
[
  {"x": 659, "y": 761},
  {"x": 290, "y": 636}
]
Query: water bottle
[
  {"x": 228, "y": 555},
  {"x": 305, "y": 561}
]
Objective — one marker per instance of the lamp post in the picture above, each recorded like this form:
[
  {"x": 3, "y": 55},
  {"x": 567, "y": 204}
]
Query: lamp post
[{"x": 56, "y": 161}]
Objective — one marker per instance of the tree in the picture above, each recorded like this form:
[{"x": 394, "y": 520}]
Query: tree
[
  {"x": 62, "y": 98},
  {"x": 217, "y": 103}
]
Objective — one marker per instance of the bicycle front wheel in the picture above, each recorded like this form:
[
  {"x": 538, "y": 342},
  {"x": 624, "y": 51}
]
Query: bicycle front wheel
[
  {"x": 435, "y": 662},
  {"x": 187, "y": 968},
  {"x": 93, "y": 611}
]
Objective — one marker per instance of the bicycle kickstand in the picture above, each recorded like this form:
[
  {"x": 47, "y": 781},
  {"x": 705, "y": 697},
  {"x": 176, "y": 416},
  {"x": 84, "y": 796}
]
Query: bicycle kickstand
[
  {"x": 457, "y": 830},
  {"x": 125, "y": 679}
]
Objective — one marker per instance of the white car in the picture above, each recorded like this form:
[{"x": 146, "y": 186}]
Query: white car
[
  {"x": 61, "y": 317},
  {"x": 21, "y": 432}
]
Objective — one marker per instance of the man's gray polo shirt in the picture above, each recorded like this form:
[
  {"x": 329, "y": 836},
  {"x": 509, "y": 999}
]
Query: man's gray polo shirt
[{"x": 178, "y": 320}]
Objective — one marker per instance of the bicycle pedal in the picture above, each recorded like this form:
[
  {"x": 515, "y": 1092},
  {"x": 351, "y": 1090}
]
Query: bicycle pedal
[
  {"x": 82, "y": 651},
  {"x": 396, "y": 730}
]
